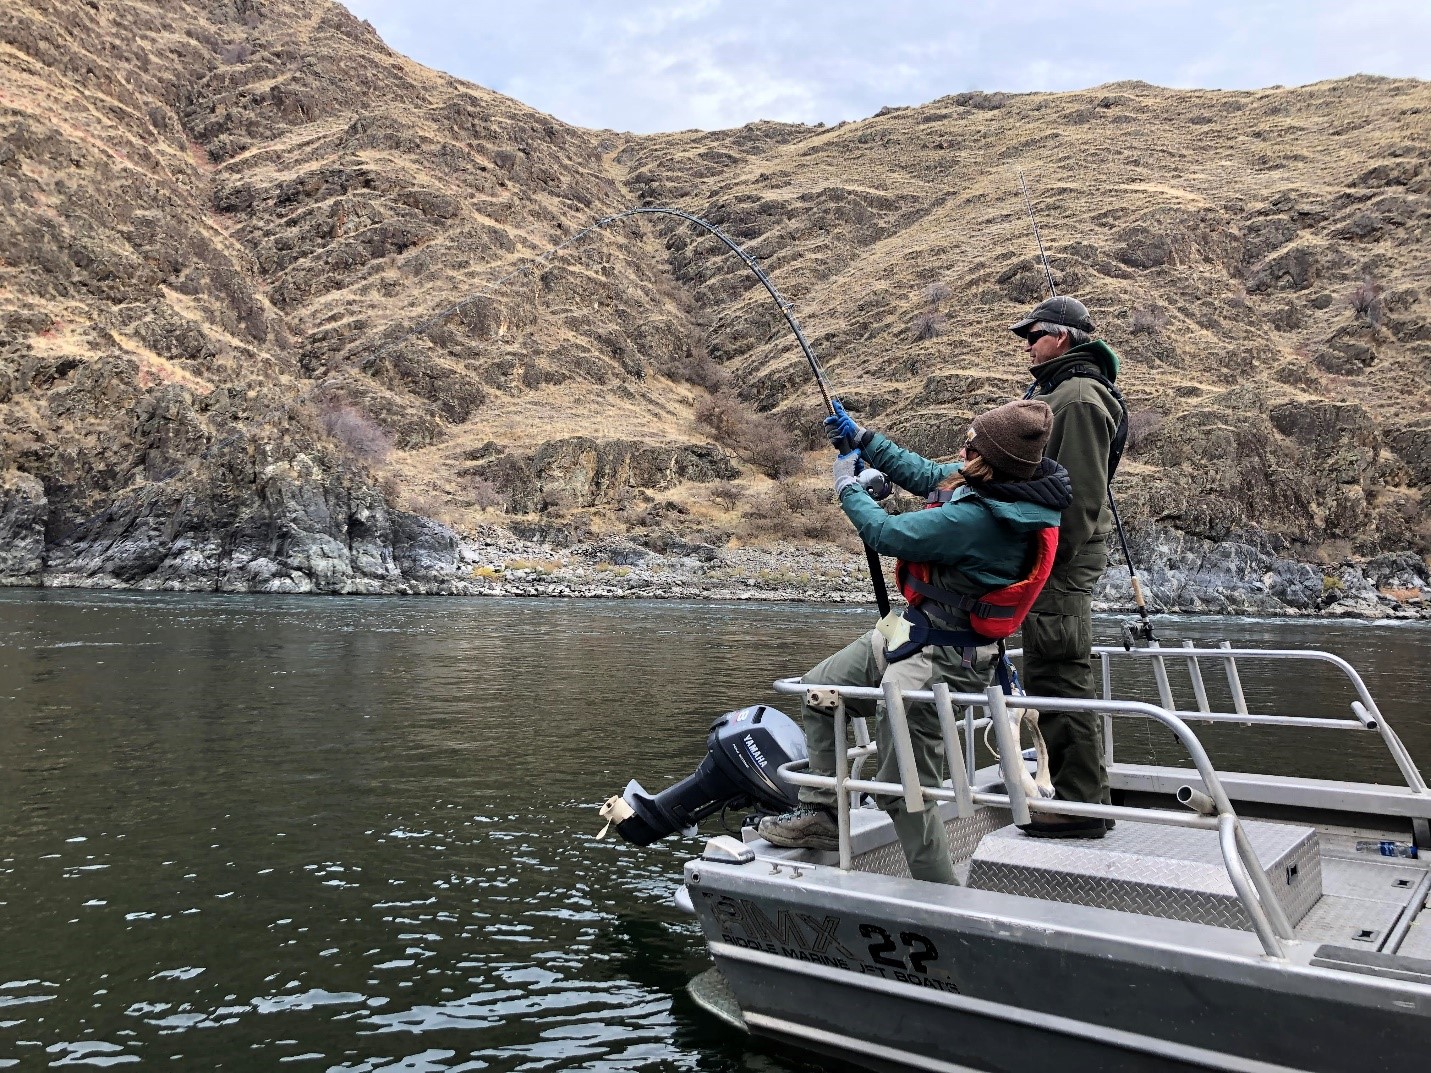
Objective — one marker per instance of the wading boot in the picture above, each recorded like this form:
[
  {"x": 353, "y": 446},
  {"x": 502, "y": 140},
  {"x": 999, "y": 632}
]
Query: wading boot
[
  {"x": 807, "y": 827},
  {"x": 1066, "y": 827}
]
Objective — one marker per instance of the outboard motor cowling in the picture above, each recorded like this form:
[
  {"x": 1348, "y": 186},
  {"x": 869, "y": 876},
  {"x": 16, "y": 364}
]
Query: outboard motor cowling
[{"x": 744, "y": 751}]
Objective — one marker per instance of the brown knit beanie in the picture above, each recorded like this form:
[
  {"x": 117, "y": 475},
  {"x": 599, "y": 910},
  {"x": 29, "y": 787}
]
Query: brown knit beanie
[{"x": 1012, "y": 437}]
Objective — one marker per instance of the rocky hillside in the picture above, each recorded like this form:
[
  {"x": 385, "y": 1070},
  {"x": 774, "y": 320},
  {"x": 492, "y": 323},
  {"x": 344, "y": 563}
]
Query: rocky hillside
[{"x": 222, "y": 222}]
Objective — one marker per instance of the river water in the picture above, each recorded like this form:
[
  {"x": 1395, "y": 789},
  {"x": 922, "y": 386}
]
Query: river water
[{"x": 253, "y": 833}]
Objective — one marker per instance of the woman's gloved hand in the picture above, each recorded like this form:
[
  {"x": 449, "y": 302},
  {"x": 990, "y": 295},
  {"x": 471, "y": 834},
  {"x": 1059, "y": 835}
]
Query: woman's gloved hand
[
  {"x": 846, "y": 465},
  {"x": 843, "y": 431}
]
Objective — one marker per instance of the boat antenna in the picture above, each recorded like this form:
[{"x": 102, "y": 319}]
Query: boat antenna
[
  {"x": 881, "y": 591},
  {"x": 1028, "y": 204},
  {"x": 1141, "y": 632}
]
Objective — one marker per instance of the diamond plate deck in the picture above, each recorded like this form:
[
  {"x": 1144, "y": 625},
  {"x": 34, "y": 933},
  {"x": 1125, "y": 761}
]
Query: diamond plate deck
[
  {"x": 1356, "y": 922},
  {"x": 1368, "y": 877},
  {"x": 964, "y": 836},
  {"x": 1150, "y": 869}
]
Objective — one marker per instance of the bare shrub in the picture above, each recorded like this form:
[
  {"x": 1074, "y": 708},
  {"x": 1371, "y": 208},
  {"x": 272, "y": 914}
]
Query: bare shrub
[
  {"x": 1365, "y": 301},
  {"x": 1141, "y": 426},
  {"x": 694, "y": 365},
  {"x": 936, "y": 293},
  {"x": 237, "y": 52},
  {"x": 807, "y": 426},
  {"x": 726, "y": 493},
  {"x": 760, "y": 439},
  {"x": 928, "y": 325},
  {"x": 792, "y": 512},
  {"x": 357, "y": 433},
  {"x": 486, "y": 496},
  {"x": 723, "y": 414},
  {"x": 1147, "y": 319},
  {"x": 770, "y": 448}
]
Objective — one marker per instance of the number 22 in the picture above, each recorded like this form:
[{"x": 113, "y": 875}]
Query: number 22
[{"x": 919, "y": 958}]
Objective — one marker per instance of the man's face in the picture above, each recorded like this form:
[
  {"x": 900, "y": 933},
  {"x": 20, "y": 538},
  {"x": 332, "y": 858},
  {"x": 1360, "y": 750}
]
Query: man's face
[{"x": 1044, "y": 346}]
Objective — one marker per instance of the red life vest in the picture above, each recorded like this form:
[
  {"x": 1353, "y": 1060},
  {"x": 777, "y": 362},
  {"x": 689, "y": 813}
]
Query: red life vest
[{"x": 998, "y": 613}]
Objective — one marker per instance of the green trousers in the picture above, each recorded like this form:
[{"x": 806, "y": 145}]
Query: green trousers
[
  {"x": 1058, "y": 662},
  {"x": 862, "y": 663}
]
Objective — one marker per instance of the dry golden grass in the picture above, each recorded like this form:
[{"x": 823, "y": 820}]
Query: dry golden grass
[{"x": 318, "y": 196}]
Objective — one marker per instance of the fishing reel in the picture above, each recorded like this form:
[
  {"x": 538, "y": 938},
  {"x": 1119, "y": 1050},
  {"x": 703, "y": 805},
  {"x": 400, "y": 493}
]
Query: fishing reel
[
  {"x": 1137, "y": 633},
  {"x": 875, "y": 483}
]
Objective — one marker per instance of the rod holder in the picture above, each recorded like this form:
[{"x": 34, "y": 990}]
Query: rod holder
[
  {"x": 1196, "y": 800},
  {"x": 953, "y": 751}
]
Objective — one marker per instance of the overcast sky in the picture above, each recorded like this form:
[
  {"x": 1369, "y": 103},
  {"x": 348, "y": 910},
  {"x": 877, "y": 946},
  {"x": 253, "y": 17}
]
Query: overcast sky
[{"x": 655, "y": 65}]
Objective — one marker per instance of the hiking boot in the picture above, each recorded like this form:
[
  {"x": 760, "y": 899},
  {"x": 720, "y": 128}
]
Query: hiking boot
[
  {"x": 806, "y": 827},
  {"x": 1065, "y": 827}
]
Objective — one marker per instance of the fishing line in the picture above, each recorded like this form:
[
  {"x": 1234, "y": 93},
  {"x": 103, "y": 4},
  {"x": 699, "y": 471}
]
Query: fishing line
[
  {"x": 872, "y": 560},
  {"x": 1028, "y": 204},
  {"x": 1144, "y": 630}
]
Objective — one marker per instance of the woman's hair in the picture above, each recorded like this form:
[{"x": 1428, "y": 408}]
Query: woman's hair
[{"x": 976, "y": 471}]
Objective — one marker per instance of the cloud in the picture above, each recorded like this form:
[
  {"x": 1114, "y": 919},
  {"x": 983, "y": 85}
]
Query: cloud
[{"x": 652, "y": 65}]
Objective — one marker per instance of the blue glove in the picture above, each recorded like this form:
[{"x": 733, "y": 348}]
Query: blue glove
[
  {"x": 843, "y": 432},
  {"x": 845, "y": 477}
]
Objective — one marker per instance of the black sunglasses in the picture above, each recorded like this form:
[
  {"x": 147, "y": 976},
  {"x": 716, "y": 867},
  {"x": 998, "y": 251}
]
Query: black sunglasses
[{"x": 1035, "y": 336}]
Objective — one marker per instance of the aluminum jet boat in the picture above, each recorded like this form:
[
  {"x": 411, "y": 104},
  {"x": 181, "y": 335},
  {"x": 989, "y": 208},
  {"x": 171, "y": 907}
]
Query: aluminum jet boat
[{"x": 1227, "y": 921}]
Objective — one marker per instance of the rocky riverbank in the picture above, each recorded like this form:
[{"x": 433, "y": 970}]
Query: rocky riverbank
[{"x": 294, "y": 545}]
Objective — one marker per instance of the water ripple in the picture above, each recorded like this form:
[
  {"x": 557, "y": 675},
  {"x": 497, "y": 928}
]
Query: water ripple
[{"x": 358, "y": 834}]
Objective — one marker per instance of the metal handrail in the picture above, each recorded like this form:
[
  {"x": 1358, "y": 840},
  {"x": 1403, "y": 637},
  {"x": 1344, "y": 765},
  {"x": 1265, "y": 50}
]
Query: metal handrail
[
  {"x": 1268, "y": 918},
  {"x": 1365, "y": 713}
]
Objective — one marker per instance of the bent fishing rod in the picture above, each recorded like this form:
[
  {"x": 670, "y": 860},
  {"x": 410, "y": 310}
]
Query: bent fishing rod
[
  {"x": 1145, "y": 627},
  {"x": 881, "y": 592}
]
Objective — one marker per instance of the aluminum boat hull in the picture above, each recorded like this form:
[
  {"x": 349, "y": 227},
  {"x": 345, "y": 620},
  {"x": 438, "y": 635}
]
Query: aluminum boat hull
[{"x": 867, "y": 968}]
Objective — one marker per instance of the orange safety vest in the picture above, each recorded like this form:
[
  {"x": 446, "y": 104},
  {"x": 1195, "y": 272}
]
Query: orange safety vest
[{"x": 996, "y": 614}]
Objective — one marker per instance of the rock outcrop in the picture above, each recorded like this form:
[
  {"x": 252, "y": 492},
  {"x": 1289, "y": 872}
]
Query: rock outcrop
[{"x": 228, "y": 228}]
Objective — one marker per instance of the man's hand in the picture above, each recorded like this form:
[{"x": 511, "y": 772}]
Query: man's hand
[
  {"x": 843, "y": 432},
  {"x": 845, "y": 465}
]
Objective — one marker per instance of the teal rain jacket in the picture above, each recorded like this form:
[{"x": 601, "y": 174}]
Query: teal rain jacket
[{"x": 984, "y": 535}]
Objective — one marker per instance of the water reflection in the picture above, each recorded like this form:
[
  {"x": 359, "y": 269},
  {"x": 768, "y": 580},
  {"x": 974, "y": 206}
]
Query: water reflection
[{"x": 357, "y": 834}]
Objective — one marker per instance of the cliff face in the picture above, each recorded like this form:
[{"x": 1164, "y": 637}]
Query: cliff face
[
  {"x": 217, "y": 219},
  {"x": 1254, "y": 257},
  {"x": 221, "y": 222}
]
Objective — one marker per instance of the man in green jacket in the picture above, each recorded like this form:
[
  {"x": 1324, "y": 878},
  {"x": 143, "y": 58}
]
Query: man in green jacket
[{"x": 1073, "y": 373}]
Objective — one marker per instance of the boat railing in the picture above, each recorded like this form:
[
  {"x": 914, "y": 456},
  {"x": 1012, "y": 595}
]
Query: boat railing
[
  {"x": 1365, "y": 715},
  {"x": 1211, "y": 810}
]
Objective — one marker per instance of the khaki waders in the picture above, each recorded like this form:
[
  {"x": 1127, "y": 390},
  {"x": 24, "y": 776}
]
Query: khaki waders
[{"x": 862, "y": 663}]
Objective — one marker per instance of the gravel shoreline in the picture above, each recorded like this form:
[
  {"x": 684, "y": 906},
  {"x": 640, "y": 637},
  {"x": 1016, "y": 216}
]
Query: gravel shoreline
[{"x": 1181, "y": 576}]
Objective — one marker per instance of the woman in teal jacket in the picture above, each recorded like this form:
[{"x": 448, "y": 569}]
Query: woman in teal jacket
[{"x": 976, "y": 534}]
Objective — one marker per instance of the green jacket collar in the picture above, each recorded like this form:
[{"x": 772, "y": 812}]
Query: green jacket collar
[{"x": 1095, "y": 352}]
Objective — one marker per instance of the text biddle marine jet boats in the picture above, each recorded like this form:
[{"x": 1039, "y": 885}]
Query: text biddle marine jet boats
[{"x": 1229, "y": 921}]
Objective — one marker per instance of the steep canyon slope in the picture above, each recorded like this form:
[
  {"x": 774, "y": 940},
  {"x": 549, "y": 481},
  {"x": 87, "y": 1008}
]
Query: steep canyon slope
[{"x": 221, "y": 222}]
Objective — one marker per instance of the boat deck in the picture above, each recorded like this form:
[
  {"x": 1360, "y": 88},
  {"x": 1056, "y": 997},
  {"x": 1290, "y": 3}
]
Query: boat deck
[
  {"x": 1282, "y": 862},
  {"x": 1364, "y": 895},
  {"x": 1349, "y": 897}
]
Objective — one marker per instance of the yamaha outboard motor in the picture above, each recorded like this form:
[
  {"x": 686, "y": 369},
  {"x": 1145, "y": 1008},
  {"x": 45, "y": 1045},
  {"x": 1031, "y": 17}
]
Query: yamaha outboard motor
[{"x": 743, "y": 752}]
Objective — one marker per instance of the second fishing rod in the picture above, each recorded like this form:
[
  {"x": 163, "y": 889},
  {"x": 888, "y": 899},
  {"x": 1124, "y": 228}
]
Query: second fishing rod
[{"x": 1141, "y": 632}]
